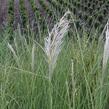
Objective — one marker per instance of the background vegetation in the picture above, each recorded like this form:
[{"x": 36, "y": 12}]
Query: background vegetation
[{"x": 87, "y": 13}]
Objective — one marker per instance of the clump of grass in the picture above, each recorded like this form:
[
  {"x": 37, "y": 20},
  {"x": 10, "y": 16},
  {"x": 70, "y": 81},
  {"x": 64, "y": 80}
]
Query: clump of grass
[{"x": 76, "y": 84}]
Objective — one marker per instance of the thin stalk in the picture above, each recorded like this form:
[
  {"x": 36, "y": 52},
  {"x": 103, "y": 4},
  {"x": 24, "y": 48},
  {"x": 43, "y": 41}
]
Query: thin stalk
[
  {"x": 68, "y": 94},
  {"x": 102, "y": 82},
  {"x": 101, "y": 91},
  {"x": 73, "y": 83},
  {"x": 50, "y": 86}
]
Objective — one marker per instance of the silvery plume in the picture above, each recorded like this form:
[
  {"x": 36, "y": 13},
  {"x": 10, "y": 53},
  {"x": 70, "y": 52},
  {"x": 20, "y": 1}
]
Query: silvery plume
[
  {"x": 54, "y": 41},
  {"x": 106, "y": 48}
]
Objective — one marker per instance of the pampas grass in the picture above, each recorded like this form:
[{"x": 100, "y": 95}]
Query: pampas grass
[
  {"x": 47, "y": 84},
  {"x": 53, "y": 46},
  {"x": 106, "y": 48},
  {"x": 69, "y": 86},
  {"x": 105, "y": 62},
  {"x": 53, "y": 43}
]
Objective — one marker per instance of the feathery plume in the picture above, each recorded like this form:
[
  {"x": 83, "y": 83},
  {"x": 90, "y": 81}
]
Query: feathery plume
[
  {"x": 53, "y": 46},
  {"x": 14, "y": 54},
  {"x": 106, "y": 48},
  {"x": 33, "y": 57},
  {"x": 53, "y": 43}
]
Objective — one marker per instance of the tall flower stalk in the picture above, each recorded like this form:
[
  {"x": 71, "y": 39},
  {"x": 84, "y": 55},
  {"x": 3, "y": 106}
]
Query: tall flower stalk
[
  {"x": 105, "y": 62},
  {"x": 106, "y": 48},
  {"x": 53, "y": 46},
  {"x": 54, "y": 41}
]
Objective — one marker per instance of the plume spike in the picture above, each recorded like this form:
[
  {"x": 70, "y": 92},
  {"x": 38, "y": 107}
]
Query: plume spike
[
  {"x": 54, "y": 41},
  {"x": 106, "y": 48}
]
